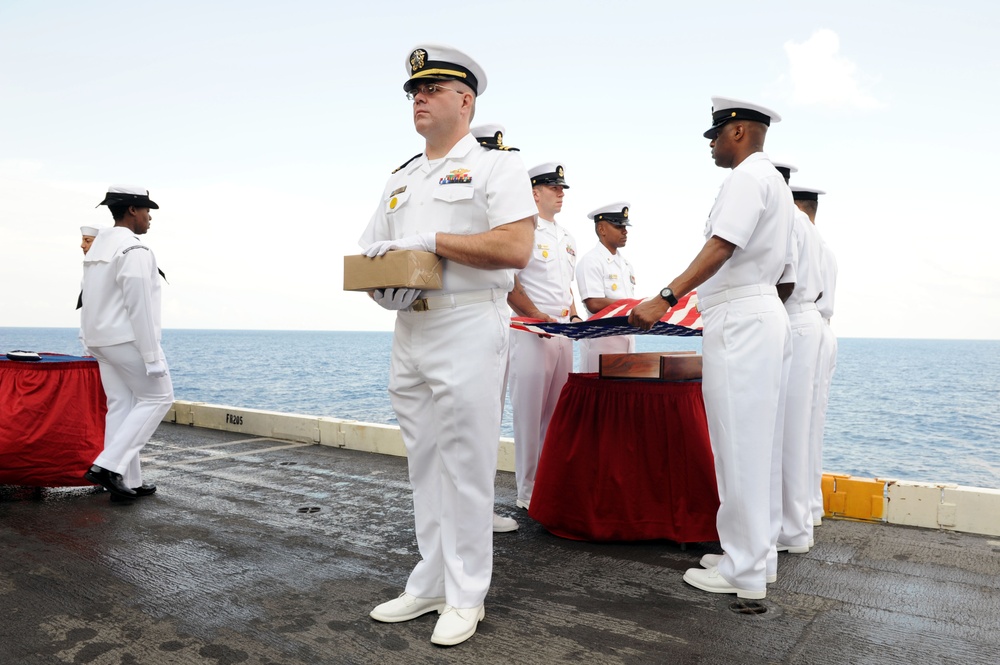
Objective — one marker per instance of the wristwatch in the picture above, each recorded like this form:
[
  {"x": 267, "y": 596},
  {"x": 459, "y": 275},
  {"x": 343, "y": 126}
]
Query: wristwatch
[{"x": 668, "y": 295}]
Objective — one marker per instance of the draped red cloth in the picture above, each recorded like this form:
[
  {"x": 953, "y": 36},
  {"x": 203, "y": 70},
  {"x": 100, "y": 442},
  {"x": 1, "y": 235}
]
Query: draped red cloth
[
  {"x": 627, "y": 460},
  {"x": 51, "y": 420}
]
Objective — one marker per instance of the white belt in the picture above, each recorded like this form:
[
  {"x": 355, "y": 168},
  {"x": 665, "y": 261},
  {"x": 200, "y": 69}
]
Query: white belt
[
  {"x": 803, "y": 307},
  {"x": 453, "y": 300},
  {"x": 735, "y": 294}
]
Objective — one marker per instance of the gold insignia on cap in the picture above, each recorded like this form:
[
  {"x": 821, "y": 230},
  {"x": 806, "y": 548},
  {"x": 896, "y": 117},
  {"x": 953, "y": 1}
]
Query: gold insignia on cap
[
  {"x": 559, "y": 171},
  {"x": 499, "y": 138},
  {"x": 625, "y": 212},
  {"x": 417, "y": 60},
  {"x": 733, "y": 114}
]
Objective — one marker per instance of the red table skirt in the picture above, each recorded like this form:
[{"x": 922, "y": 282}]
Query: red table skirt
[
  {"x": 51, "y": 420},
  {"x": 627, "y": 460}
]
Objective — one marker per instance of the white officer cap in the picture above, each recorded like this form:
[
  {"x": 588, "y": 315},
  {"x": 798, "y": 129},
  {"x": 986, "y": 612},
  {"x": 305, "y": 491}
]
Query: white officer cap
[
  {"x": 806, "y": 193},
  {"x": 438, "y": 62},
  {"x": 786, "y": 169},
  {"x": 614, "y": 213},
  {"x": 491, "y": 136},
  {"x": 91, "y": 231},
  {"x": 725, "y": 109},
  {"x": 549, "y": 173},
  {"x": 133, "y": 196}
]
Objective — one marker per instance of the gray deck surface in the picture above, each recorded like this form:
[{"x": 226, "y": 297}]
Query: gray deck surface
[{"x": 276, "y": 552}]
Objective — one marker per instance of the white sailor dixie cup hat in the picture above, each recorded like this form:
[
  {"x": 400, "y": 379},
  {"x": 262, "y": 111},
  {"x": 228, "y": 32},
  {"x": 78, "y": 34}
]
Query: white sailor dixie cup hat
[
  {"x": 549, "y": 173},
  {"x": 613, "y": 213},
  {"x": 725, "y": 109},
  {"x": 491, "y": 136},
  {"x": 806, "y": 193},
  {"x": 133, "y": 196},
  {"x": 437, "y": 62},
  {"x": 91, "y": 231}
]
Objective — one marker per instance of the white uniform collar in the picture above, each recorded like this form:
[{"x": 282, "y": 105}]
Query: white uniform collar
[
  {"x": 458, "y": 151},
  {"x": 608, "y": 256},
  {"x": 108, "y": 242}
]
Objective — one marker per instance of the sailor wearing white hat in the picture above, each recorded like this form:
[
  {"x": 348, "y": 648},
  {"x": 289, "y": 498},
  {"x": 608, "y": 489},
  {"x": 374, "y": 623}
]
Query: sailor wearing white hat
[
  {"x": 603, "y": 276},
  {"x": 792, "y": 518},
  {"x": 88, "y": 234},
  {"x": 120, "y": 325},
  {"x": 746, "y": 344},
  {"x": 473, "y": 207},
  {"x": 807, "y": 200},
  {"x": 539, "y": 366}
]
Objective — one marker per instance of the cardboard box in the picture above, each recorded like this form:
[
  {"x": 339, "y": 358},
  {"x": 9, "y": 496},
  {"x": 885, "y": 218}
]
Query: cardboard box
[
  {"x": 407, "y": 268},
  {"x": 659, "y": 366}
]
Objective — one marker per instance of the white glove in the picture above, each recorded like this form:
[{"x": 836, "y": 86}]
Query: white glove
[
  {"x": 156, "y": 369},
  {"x": 426, "y": 242},
  {"x": 396, "y": 298}
]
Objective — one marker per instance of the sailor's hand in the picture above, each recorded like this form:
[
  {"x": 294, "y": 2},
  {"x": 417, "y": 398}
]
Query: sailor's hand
[
  {"x": 426, "y": 242},
  {"x": 395, "y": 299},
  {"x": 156, "y": 369},
  {"x": 645, "y": 315}
]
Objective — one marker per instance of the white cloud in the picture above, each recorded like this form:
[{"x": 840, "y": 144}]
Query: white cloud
[{"x": 820, "y": 75}]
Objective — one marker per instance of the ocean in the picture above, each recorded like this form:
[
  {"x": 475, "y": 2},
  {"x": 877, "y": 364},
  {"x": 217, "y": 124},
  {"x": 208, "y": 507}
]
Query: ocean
[{"x": 919, "y": 410}]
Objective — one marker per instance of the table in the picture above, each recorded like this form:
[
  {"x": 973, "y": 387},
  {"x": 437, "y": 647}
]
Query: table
[
  {"x": 627, "y": 460},
  {"x": 51, "y": 420}
]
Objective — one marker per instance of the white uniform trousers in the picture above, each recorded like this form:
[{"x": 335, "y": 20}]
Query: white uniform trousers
[
  {"x": 821, "y": 397},
  {"x": 591, "y": 350},
  {"x": 746, "y": 349},
  {"x": 136, "y": 406},
  {"x": 795, "y": 475},
  {"x": 539, "y": 368},
  {"x": 445, "y": 383}
]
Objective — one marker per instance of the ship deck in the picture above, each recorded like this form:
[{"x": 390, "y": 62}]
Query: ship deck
[{"x": 261, "y": 551}]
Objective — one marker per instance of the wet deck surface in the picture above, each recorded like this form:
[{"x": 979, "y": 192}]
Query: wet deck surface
[{"x": 260, "y": 551}]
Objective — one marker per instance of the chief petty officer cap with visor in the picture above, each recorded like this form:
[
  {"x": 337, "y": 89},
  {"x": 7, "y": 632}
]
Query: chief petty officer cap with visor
[
  {"x": 437, "y": 62},
  {"x": 725, "y": 109},
  {"x": 549, "y": 173},
  {"x": 613, "y": 213},
  {"x": 491, "y": 136},
  {"x": 784, "y": 168},
  {"x": 806, "y": 193},
  {"x": 133, "y": 196}
]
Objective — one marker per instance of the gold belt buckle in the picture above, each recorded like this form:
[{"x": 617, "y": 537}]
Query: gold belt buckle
[{"x": 419, "y": 305}]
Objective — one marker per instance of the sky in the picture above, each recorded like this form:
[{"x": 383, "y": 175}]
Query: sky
[{"x": 266, "y": 133}]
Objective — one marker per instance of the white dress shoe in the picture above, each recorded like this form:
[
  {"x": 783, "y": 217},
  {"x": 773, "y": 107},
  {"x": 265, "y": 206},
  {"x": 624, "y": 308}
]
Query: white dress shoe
[
  {"x": 455, "y": 625},
  {"x": 523, "y": 504},
  {"x": 793, "y": 549},
  {"x": 503, "y": 524},
  {"x": 406, "y": 607},
  {"x": 817, "y": 521},
  {"x": 710, "y": 580},
  {"x": 712, "y": 561},
  {"x": 812, "y": 543}
]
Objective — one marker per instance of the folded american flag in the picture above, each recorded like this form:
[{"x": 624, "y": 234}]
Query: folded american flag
[{"x": 684, "y": 320}]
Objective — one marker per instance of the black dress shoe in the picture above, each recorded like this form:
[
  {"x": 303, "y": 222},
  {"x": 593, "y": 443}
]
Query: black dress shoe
[
  {"x": 108, "y": 480},
  {"x": 145, "y": 490}
]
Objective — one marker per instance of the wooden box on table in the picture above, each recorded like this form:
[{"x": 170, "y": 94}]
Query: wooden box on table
[{"x": 660, "y": 365}]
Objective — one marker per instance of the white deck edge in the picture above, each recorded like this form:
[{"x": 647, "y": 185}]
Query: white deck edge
[{"x": 930, "y": 505}]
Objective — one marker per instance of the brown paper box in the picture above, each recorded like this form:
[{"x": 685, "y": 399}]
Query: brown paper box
[
  {"x": 398, "y": 268},
  {"x": 662, "y": 365}
]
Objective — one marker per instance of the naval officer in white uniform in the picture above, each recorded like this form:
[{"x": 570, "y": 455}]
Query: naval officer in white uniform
[
  {"x": 473, "y": 207},
  {"x": 604, "y": 275},
  {"x": 746, "y": 344},
  {"x": 792, "y": 524},
  {"x": 807, "y": 200},
  {"x": 120, "y": 325},
  {"x": 540, "y": 365}
]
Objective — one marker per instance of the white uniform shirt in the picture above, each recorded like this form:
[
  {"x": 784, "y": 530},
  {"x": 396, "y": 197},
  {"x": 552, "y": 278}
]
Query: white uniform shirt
[
  {"x": 121, "y": 293},
  {"x": 548, "y": 277},
  {"x": 601, "y": 274},
  {"x": 829, "y": 276},
  {"x": 471, "y": 190},
  {"x": 807, "y": 258},
  {"x": 755, "y": 211}
]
